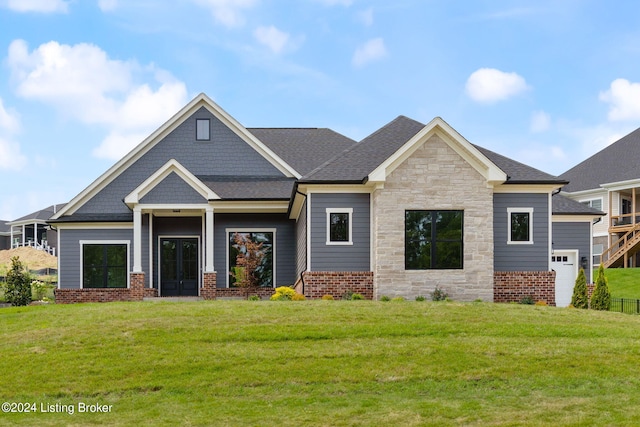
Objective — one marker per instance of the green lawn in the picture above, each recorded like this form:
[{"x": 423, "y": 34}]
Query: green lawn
[
  {"x": 623, "y": 282},
  {"x": 321, "y": 363}
]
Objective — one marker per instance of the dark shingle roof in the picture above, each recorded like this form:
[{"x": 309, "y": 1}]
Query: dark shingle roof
[
  {"x": 42, "y": 214},
  {"x": 303, "y": 148},
  {"x": 619, "y": 161},
  {"x": 96, "y": 217},
  {"x": 519, "y": 173},
  {"x": 561, "y": 205},
  {"x": 249, "y": 187},
  {"x": 356, "y": 162}
]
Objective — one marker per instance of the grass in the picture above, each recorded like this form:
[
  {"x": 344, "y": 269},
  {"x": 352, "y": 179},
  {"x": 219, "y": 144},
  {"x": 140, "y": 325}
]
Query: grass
[
  {"x": 623, "y": 282},
  {"x": 321, "y": 363}
]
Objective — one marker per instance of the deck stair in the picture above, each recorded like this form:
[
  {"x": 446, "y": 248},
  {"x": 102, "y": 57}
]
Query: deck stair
[{"x": 623, "y": 248}]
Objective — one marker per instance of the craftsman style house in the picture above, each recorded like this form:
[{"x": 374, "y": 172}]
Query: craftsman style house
[
  {"x": 406, "y": 209},
  {"x": 610, "y": 181}
]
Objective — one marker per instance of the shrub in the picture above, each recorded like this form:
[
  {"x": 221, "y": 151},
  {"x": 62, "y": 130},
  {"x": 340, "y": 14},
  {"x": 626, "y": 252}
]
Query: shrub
[
  {"x": 298, "y": 297},
  {"x": 254, "y": 298},
  {"x": 541, "y": 303},
  {"x": 327, "y": 297},
  {"x": 527, "y": 300},
  {"x": 356, "y": 296},
  {"x": 398, "y": 299},
  {"x": 421, "y": 298},
  {"x": 18, "y": 286},
  {"x": 601, "y": 298},
  {"x": 283, "y": 293},
  {"x": 38, "y": 290},
  {"x": 385, "y": 298},
  {"x": 347, "y": 295},
  {"x": 580, "y": 298},
  {"x": 439, "y": 294}
]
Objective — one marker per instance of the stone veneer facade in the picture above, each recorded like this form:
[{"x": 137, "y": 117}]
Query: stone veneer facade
[{"x": 434, "y": 177}]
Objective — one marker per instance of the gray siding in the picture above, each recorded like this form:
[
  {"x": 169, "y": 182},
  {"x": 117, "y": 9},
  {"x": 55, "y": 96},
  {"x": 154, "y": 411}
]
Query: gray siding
[
  {"x": 356, "y": 257},
  {"x": 533, "y": 257},
  {"x": 301, "y": 241},
  {"x": 574, "y": 235},
  {"x": 225, "y": 154},
  {"x": 173, "y": 189},
  {"x": 69, "y": 274},
  {"x": 285, "y": 246}
]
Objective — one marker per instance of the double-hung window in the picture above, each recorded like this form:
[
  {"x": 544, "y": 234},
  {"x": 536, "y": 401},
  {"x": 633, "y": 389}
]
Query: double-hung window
[{"x": 434, "y": 239}]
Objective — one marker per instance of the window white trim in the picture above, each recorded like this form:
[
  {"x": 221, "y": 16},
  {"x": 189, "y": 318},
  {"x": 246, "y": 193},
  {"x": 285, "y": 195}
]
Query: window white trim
[
  {"x": 348, "y": 211},
  {"x": 228, "y": 232},
  {"x": 104, "y": 242},
  {"x": 511, "y": 211},
  {"x": 589, "y": 202},
  {"x": 203, "y": 133}
]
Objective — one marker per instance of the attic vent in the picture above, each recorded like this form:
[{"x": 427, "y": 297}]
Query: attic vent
[{"x": 203, "y": 130}]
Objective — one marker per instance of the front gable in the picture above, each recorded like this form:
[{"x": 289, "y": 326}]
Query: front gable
[
  {"x": 490, "y": 172},
  {"x": 230, "y": 150}
]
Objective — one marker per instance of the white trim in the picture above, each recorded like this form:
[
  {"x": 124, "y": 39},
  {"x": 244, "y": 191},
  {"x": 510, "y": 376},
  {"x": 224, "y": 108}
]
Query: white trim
[
  {"x": 521, "y": 210},
  {"x": 576, "y": 264},
  {"x": 181, "y": 236},
  {"x": 526, "y": 188},
  {"x": 150, "y": 250},
  {"x": 103, "y": 242},
  {"x": 208, "y": 232},
  {"x": 229, "y": 230},
  {"x": 95, "y": 226},
  {"x": 574, "y": 218},
  {"x": 159, "y": 134},
  {"x": 492, "y": 173},
  {"x": 550, "y": 230},
  {"x": 621, "y": 185},
  {"x": 591, "y": 199},
  {"x": 259, "y": 206},
  {"x": 172, "y": 166},
  {"x": 308, "y": 232},
  {"x": 348, "y": 211},
  {"x": 137, "y": 240},
  {"x": 58, "y": 232}
]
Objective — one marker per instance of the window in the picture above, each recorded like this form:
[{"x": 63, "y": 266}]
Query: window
[
  {"x": 264, "y": 272},
  {"x": 339, "y": 226},
  {"x": 593, "y": 203},
  {"x": 433, "y": 240},
  {"x": 520, "y": 225},
  {"x": 104, "y": 265},
  {"x": 203, "y": 130}
]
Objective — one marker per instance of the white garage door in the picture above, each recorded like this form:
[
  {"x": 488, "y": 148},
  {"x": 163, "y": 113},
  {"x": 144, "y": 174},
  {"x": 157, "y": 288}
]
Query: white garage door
[{"x": 565, "y": 264}]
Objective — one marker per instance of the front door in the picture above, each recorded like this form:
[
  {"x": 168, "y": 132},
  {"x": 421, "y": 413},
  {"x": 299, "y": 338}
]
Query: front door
[
  {"x": 565, "y": 264},
  {"x": 178, "y": 267}
]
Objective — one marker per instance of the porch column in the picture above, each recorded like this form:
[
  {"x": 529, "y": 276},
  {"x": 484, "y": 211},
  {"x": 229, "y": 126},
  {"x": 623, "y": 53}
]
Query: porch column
[
  {"x": 11, "y": 234},
  {"x": 209, "y": 268},
  {"x": 137, "y": 240},
  {"x": 24, "y": 233},
  {"x": 633, "y": 205}
]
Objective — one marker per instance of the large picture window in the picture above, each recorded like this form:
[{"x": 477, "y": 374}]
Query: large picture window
[
  {"x": 104, "y": 265},
  {"x": 433, "y": 240},
  {"x": 520, "y": 225},
  {"x": 263, "y": 241}
]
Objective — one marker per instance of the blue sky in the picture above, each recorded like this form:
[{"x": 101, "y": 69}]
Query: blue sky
[{"x": 547, "y": 83}]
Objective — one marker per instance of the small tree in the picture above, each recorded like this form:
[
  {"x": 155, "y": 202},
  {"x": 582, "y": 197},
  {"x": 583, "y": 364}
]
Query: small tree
[
  {"x": 248, "y": 261},
  {"x": 601, "y": 298},
  {"x": 18, "y": 287},
  {"x": 580, "y": 298}
]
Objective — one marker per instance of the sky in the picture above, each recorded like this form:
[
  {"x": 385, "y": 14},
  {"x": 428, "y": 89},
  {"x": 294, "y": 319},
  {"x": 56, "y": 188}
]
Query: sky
[{"x": 82, "y": 82}]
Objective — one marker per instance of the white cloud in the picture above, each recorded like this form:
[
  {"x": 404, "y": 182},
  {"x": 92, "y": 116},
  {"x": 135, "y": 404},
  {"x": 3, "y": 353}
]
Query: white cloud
[
  {"x": 366, "y": 17},
  {"x": 84, "y": 84},
  {"x": 624, "y": 99},
  {"x": 41, "y": 6},
  {"x": 107, "y": 5},
  {"x": 10, "y": 156},
  {"x": 372, "y": 50},
  {"x": 488, "y": 85},
  {"x": 336, "y": 2},
  {"x": 9, "y": 120},
  {"x": 227, "y": 12},
  {"x": 271, "y": 37},
  {"x": 540, "y": 122}
]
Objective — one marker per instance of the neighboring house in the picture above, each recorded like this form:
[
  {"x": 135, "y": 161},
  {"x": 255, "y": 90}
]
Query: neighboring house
[
  {"x": 410, "y": 208},
  {"x": 610, "y": 181},
  {"x": 33, "y": 230},
  {"x": 5, "y": 236}
]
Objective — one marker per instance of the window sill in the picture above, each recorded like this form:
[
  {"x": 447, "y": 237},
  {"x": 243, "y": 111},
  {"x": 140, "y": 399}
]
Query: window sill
[
  {"x": 519, "y": 243},
  {"x": 339, "y": 243}
]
